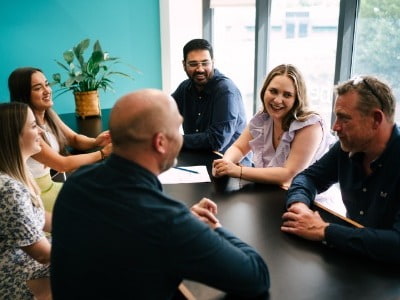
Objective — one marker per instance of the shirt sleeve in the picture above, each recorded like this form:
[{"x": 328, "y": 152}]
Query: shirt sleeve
[
  {"x": 316, "y": 179},
  {"x": 223, "y": 126},
  {"x": 378, "y": 244},
  {"x": 178, "y": 95},
  {"x": 19, "y": 222},
  {"x": 219, "y": 259}
]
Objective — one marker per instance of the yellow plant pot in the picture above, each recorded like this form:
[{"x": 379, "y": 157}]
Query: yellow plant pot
[{"x": 87, "y": 104}]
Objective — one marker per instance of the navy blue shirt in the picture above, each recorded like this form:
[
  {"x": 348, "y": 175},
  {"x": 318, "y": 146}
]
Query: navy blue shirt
[
  {"x": 371, "y": 200},
  {"x": 116, "y": 235},
  {"x": 213, "y": 118}
]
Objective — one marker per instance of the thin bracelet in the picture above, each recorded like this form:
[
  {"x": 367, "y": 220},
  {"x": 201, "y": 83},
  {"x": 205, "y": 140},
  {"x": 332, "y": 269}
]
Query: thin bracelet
[
  {"x": 241, "y": 172},
  {"x": 103, "y": 156}
]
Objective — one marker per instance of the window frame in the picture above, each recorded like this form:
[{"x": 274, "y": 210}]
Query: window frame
[{"x": 348, "y": 11}]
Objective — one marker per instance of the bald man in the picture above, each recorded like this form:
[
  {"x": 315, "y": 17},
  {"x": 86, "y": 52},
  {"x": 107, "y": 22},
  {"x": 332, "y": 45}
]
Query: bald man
[{"x": 116, "y": 235}]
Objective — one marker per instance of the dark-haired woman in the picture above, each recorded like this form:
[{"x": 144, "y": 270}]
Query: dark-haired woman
[{"x": 30, "y": 86}]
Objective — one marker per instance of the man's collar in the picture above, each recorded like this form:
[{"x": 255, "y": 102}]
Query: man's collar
[{"x": 394, "y": 135}]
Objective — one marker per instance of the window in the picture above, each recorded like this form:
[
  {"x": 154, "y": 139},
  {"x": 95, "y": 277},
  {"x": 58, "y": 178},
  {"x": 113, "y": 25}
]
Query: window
[
  {"x": 304, "y": 44},
  {"x": 303, "y": 30},
  {"x": 290, "y": 30},
  {"x": 303, "y": 33},
  {"x": 377, "y": 46},
  {"x": 233, "y": 42}
]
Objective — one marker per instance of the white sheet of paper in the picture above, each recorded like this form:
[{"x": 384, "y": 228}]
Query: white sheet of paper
[{"x": 174, "y": 176}]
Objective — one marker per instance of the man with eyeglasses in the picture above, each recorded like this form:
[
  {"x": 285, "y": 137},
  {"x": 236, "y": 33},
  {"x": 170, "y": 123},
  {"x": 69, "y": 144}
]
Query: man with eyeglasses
[
  {"x": 209, "y": 102},
  {"x": 366, "y": 163}
]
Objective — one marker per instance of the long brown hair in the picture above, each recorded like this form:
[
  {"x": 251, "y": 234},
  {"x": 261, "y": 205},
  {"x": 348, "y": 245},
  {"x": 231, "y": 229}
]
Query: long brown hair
[
  {"x": 19, "y": 86},
  {"x": 300, "y": 110}
]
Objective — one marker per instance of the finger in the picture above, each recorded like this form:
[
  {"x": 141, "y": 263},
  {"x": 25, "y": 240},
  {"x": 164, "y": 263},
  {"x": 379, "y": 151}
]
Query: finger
[
  {"x": 207, "y": 214},
  {"x": 211, "y": 206},
  {"x": 288, "y": 229},
  {"x": 203, "y": 202},
  {"x": 208, "y": 204},
  {"x": 289, "y": 224},
  {"x": 217, "y": 162},
  {"x": 221, "y": 170},
  {"x": 287, "y": 216},
  {"x": 197, "y": 210},
  {"x": 211, "y": 217}
]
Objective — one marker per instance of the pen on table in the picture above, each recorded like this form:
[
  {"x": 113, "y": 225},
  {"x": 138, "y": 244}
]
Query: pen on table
[
  {"x": 186, "y": 170},
  {"x": 218, "y": 153}
]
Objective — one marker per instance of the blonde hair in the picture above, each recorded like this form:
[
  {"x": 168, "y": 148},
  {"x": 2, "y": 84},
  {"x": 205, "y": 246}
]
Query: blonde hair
[
  {"x": 300, "y": 110},
  {"x": 13, "y": 117}
]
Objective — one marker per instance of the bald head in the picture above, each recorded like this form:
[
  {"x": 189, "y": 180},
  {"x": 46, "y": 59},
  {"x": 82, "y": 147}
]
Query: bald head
[{"x": 136, "y": 117}]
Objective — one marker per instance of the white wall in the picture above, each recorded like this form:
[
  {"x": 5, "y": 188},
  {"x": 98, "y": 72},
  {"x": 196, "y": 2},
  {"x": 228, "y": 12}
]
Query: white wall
[{"x": 180, "y": 21}]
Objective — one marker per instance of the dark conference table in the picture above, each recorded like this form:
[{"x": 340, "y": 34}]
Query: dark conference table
[{"x": 299, "y": 269}]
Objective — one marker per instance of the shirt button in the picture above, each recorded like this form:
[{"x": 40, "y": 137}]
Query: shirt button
[
  {"x": 361, "y": 212},
  {"x": 197, "y": 130},
  {"x": 364, "y": 189},
  {"x": 199, "y": 114},
  {"x": 199, "y": 98}
]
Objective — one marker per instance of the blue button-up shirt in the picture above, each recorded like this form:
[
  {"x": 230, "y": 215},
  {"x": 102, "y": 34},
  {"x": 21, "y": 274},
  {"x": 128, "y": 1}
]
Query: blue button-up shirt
[
  {"x": 213, "y": 118},
  {"x": 372, "y": 200}
]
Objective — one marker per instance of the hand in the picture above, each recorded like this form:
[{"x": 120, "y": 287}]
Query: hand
[
  {"x": 222, "y": 167},
  {"x": 103, "y": 139},
  {"x": 300, "y": 206},
  {"x": 205, "y": 210},
  {"x": 107, "y": 150},
  {"x": 302, "y": 221}
]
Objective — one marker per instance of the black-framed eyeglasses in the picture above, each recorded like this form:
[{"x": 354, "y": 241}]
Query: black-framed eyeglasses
[
  {"x": 358, "y": 79},
  {"x": 195, "y": 64}
]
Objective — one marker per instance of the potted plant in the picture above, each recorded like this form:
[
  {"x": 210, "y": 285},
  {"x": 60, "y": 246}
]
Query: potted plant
[{"x": 85, "y": 78}]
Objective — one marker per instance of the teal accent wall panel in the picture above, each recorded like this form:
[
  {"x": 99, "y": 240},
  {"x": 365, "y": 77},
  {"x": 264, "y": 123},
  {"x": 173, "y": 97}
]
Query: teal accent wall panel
[{"x": 35, "y": 33}]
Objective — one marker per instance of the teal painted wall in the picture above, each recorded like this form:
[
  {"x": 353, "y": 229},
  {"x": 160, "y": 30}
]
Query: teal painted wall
[{"x": 35, "y": 33}]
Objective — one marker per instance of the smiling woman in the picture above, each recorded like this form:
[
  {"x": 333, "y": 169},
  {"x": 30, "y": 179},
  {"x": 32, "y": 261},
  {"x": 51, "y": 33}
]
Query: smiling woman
[
  {"x": 285, "y": 136},
  {"x": 24, "y": 250},
  {"x": 30, "y": 86}
]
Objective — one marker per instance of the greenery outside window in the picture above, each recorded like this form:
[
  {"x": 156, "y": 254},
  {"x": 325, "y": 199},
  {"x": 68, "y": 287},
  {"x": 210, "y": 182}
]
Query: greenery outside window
[{"x": 377, "y": 43}]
